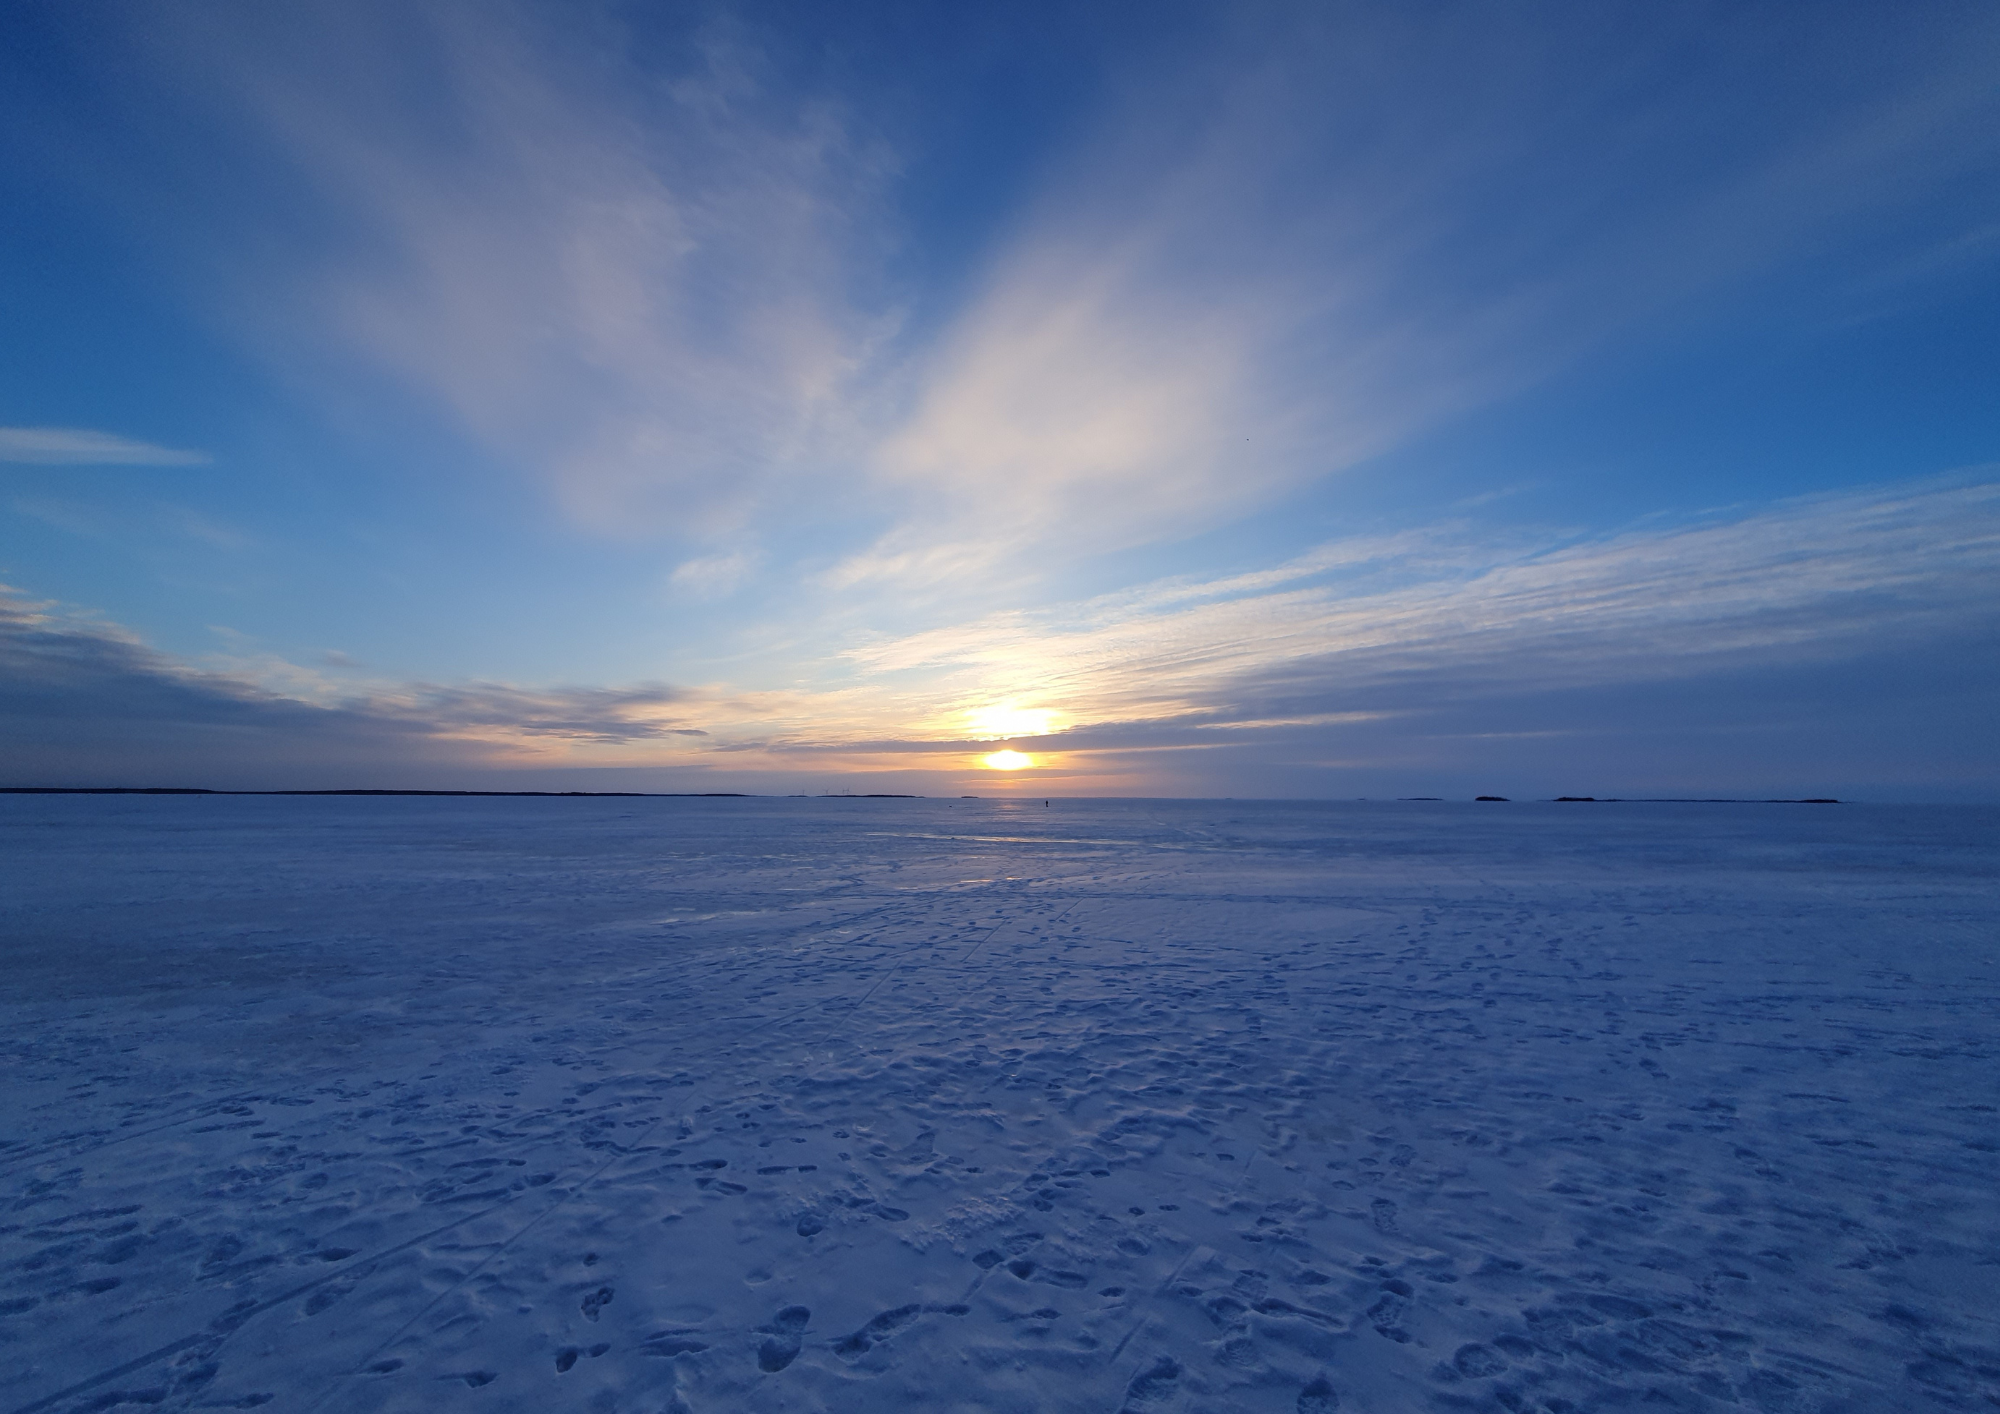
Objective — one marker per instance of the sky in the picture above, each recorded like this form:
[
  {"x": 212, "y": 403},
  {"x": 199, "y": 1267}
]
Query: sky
[{"x": 1257, "y": 400}]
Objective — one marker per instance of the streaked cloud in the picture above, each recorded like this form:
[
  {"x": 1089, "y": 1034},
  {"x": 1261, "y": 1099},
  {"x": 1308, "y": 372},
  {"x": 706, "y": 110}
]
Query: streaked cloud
[
  {"x": 673, "y": 294},
  {"x": 973, "y": 416},
  {"x": 83, "y": 698},
  {"x": 645, "y": 290},
  {"x": 1396, "y": 624},
  {"x": 1370, "y": 652},
  {"x": 587, "y": 715},
  {"x": 713, "y": 576},
  {"x": 1224, "y": 296},
  {"x": 82, "y": 446}
]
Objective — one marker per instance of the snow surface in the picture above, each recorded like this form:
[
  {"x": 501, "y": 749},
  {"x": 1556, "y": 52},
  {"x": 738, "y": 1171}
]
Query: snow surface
[{"x": 709, "y": 1105}]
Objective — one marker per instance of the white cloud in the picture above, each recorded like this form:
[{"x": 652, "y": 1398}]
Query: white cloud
[
  {"x": 713, "y": 576},
  {"x": 669, "y": 287},
  {"x": 644, "y": 291},
  {"x": 72, "y": 676},
  {"x": 1269, "y": 266},
  {"x": 80, "y": 446},
  {"x": 1388, "y": 638},
  {"x": 63, "y": 515},
  {"x": 1805, "y": 581},
  {"x": 1073, "y": 392}
]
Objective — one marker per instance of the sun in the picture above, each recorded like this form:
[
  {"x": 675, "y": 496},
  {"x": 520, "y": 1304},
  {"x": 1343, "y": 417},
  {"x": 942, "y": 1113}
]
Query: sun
[{"x": 1007, "y": 761}]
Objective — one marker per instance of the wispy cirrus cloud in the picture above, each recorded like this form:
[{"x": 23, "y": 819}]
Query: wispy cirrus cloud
[
  {"x": 713, "y": 576},
  {"x": 1329, "y": 230},
  {"x": 1391, "y": 641},
  {"x": 82, "y": 446},
  {"x": 81, "y": 699},
  {"x": 597, "y": 716},
  {"x": 651, "y": 290},
  {"x": 671, "y": 285},
  {"x": 1399, "y": 624}
]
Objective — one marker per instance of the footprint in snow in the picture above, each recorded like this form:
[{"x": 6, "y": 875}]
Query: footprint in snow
[
  {"x": 1478, "y": 1361},
  {"x": 1387, "y": 1313},
  {"x": 1154, "y": 1383},
  {"x": 879, "y": 1329},
  {"x": 786, "y": 1334},
  {"x": 665, "y": 1345},
  {"x": 1238, "y": 1354},
  {"x": 596, "y": 1301},
  {"x": 1046, "y": 1313},
  {"x": 329, "y": 1294},
  {"x": 1318, "y": 1398}
]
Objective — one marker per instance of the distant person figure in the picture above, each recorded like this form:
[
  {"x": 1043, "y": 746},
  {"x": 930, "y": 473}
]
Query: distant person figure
[{"x": 1045, "y": 805}]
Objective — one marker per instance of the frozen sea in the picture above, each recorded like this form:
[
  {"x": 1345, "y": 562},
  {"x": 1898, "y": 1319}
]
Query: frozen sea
[{"x": 881, "y": 1105}]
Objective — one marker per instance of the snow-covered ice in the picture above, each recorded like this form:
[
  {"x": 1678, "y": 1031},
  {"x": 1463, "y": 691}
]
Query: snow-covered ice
[{"x": 844, "y": 1105}]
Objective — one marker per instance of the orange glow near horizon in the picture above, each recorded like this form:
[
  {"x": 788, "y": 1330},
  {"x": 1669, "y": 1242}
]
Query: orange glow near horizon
[{"x": 1009, "y": 760}]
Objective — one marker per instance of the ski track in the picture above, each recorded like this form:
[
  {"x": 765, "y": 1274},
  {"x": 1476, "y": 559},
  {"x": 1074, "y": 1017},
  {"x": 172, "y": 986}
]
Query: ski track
[{"x": 859, "y": 1105}]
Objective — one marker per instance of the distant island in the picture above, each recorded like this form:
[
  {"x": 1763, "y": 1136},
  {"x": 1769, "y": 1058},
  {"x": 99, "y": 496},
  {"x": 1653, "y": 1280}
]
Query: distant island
[
  {"x": 551, "y": 794},
  {"x": 1687, "y": 800}
]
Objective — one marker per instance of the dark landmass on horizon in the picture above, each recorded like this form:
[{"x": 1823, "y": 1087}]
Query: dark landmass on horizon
[
  {"x": 204, "y": 790},
  {"x": 1690, "y": 800}
]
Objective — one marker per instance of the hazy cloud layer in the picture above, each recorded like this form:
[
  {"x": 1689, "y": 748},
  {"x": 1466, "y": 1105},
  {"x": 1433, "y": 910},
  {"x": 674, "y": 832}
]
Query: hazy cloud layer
[
  {"x": 1375, "y": 656},
  {"x": 1351, "y": 625},
  {"x": 84, "y": 702},
  {"x": 671, "y": 289},
  {"x": 807, "y": 360},
  {"x": 80, "y": 446},
  {"x": 1333, "y": 230},
  {"x": 642, "y": 287}
]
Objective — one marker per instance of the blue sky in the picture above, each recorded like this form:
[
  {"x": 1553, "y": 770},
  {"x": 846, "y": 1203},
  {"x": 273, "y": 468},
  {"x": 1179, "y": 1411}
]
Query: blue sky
[{"x": 1321, "y": 400}]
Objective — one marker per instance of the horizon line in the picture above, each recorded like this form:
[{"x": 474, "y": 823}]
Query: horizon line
[{"x": 898, "y": 795}]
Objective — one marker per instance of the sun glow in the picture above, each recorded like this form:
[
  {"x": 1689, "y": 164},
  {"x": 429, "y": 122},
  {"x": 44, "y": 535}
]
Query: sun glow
[
  {"x": 1004, "y": 719},
  {"x": 1007, "y": 761}
]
